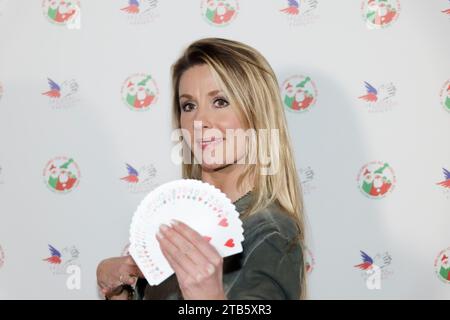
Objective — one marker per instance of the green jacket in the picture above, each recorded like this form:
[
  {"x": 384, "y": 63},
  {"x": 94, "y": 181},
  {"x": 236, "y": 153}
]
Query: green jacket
[{"x": 268, "y": 268}]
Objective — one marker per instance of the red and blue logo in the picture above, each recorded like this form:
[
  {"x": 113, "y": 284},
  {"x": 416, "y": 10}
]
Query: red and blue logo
[
  {"x": 55, "y": 256},
  {"x": 380, "y": 98},
  {"x": 446, "y": 182},
  {"x": 140, "y": 11},
  {"x": 59, "y": 260},
  {"x": 300, "y": 12},
  {"x": 62, "y": 95},
  {"x": 375, "y": 269},
  {"x": 140, "y": 180}
]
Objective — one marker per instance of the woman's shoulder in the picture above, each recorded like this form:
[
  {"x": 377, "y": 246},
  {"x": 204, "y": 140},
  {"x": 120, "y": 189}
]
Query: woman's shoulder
[{"x": 272, "y": 221}]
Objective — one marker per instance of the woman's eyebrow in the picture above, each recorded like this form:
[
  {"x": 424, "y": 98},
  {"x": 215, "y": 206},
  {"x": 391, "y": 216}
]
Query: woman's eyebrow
[
  {"x": 188, "y": 96},
  {"x": 213, "y": 93},
  {"x": 185, "y": 95}
]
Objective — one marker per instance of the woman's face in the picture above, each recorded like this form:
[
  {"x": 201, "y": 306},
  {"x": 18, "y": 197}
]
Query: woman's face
[{"x": 206, "y": 114}]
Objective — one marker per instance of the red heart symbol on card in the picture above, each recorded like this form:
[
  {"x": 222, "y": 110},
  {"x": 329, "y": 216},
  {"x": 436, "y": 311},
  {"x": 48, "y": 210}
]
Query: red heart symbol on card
[
  {"x": 229, "y": 243},
  {"x": 223, "y": 222}
]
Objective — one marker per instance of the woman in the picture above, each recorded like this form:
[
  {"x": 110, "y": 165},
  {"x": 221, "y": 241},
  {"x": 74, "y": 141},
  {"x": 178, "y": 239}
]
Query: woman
[{"x": 218, "y": 86}]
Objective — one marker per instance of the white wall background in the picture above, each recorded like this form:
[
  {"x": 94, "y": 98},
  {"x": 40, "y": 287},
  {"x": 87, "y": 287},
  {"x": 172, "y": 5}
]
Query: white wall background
[{"x": 333, "y": 140}]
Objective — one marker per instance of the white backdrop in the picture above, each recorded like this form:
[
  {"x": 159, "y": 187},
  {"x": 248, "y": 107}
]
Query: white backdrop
[{"x": 87, "y": 129}]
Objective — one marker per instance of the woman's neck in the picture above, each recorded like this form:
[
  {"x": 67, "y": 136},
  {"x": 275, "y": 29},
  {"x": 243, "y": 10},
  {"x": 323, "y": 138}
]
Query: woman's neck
[{"x": 226, "y": 178}]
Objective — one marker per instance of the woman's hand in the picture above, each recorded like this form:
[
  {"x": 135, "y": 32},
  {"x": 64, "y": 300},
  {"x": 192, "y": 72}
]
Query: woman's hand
[
  {"x": 197, "y": 264},
  {"x": 114, "y": 272}
]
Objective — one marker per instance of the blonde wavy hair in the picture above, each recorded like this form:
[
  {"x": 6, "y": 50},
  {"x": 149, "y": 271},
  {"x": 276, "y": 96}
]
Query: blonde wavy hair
[{"x": 252, "y": 87}]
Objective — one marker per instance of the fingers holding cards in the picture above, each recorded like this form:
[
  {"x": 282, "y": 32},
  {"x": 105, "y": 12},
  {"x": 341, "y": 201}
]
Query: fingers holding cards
[
  {"x": 197, "y": 240},
  {"x": 208, "y": 227},
  {"x": 182, "y": 254}
]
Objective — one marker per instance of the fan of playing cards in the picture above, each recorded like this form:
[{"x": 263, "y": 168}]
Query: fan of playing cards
[{"x": 201, "y": 206}]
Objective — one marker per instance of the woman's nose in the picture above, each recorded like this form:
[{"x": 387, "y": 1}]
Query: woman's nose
[{"x": 202, "y": 118}]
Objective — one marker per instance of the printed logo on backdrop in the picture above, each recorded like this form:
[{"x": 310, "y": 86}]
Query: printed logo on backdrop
[
  {"x": 445, "y": 95},
  {"x": 306, "y": 176},
  {"x": 58, "y": 261},
  {"x": 444, "y": 183},
  {"x": 310, "y": 261},
  {"x": 219, "y": 12},
  {"x": 65, "y": 262},
  {"x": 380, "y": 98},
  {"x": 376, "y": 269},
  {"x": 142, "y": 179},
  {"x": 376, "y": 179},
  {"x": 299, "y": 93},
  {"x": 62, "y": 95},
  {"x": 300, "y": 12},
  {"x": 442, "y": 265},
  {"x": 140, "y": 11},
  {"x": 62, "y": 174},
  {"x": 139, "y": 92},
  {"x": 2, "y": 257},
  {"x": 63, "y": 12},
  {"x": 379, "y": 14}
]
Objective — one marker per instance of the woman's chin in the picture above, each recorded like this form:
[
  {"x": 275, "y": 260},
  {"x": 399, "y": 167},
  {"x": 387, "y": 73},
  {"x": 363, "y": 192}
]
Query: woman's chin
[{"x": 213, "y": 166}]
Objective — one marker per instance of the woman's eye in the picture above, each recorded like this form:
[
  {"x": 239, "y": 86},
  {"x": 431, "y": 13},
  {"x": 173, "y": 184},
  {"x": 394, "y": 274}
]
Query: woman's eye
[
  {"x": 221, "y": 103},
  {"x": 187, "y": 107}
]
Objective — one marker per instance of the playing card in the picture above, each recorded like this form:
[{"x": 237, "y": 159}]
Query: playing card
[{"x": 201, "y": 206}]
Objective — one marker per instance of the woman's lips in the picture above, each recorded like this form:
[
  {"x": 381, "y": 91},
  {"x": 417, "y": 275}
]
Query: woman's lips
[{"x": 209, "y": 142}]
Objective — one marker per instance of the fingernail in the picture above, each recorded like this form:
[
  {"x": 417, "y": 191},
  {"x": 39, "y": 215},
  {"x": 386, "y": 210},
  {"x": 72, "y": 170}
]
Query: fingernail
[
  {"x": 159, "y": 235},
  {"x": 174, "y": 222},
  {"x": 163, "y": 227}
]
